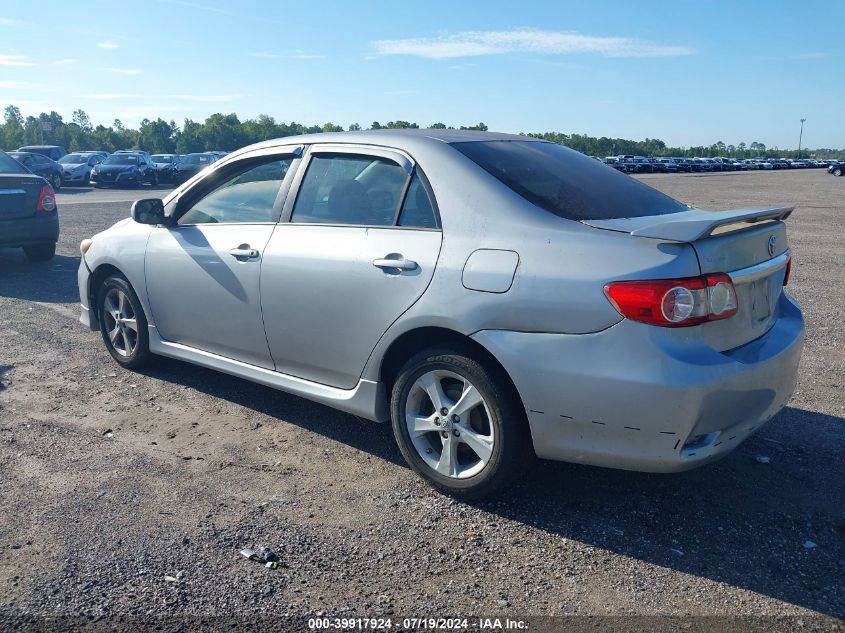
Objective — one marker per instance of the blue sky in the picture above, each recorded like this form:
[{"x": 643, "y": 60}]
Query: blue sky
[{"x": 689, "y": 73}]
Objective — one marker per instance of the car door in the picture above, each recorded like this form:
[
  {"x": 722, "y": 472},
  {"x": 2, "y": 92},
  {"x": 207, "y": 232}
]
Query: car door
[
  {"x": 355, "y": 250},
  {"x": 203, "y": 268}
]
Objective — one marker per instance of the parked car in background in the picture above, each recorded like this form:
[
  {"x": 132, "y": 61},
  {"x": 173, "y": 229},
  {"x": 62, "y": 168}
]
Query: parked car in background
[
  {"x": 99, "y": 152},
  {"x": 53, "y": 152},
  {"x": 28, "y": 215},
  {"x": 837, "y": 169},
  {"x": 76, "y": 167},
  {"x": 39, "y": 164},
  {"x": 124, "y": 168},
  {"x": 668, "y": 165},
  {"x": 192, "y": 164},
  {"x": 779, "y": 163},
  {"x": 166, "y": 166}
]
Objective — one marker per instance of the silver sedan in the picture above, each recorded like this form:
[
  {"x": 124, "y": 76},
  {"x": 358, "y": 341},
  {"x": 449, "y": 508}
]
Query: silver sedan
[{"x": 497, "y": 298}]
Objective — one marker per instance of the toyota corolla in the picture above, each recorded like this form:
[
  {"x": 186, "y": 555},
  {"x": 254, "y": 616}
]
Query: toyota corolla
[{"x": 496, "y": 298}]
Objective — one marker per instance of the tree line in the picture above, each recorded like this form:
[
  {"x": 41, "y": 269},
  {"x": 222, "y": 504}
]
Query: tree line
[{"x": 227, "y": 132}]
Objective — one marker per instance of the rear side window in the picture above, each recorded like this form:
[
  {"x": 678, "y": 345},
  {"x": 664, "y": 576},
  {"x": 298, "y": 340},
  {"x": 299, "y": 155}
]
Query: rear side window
[
  {"x": 417, "y": 210},
  {"x": 350, "y": 189},
  {"x": 567, "y": 183},
  {"x": 9, "y": 165}
]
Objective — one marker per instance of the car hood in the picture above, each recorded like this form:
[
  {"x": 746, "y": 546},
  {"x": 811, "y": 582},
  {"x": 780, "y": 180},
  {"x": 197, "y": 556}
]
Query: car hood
[{"x": 106, "y": 169}]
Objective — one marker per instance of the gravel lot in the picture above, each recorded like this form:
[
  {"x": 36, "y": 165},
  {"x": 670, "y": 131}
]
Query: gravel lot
[{"x": 129, "y": 495}]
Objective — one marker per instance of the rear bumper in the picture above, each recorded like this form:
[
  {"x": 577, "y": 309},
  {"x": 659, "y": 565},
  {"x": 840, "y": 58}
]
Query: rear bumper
[
  {"x": 644, "y": 398},
  {"x": 40, "y": 228}
]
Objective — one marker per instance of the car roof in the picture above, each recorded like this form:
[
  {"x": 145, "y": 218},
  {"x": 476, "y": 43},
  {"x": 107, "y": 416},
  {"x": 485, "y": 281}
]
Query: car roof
[
  {"x": 398, "y": 138},
  {"x": 25, "y": 147}
]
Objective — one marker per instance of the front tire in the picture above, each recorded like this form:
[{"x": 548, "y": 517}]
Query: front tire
[
  {"x": 56, "y": 182},
  {"x": 122, "y": 323},
  {"x": 459, "y": 424},
  {"x": 40, "y": 252},
  {"x": 837, "y": 172}
]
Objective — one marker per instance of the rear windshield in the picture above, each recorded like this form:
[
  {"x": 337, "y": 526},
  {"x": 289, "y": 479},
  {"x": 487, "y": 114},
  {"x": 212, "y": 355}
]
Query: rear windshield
[
  {"x": 10, "y": 166},
  {"x": 567, "y": 183}
]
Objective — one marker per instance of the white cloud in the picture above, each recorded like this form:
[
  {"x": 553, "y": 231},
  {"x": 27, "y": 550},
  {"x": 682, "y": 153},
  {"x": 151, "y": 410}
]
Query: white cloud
[
  {"x": 65, "y": 62},
  {"x": 107, "y": 96},
  {"x": 13, "y": 85},
  {"x": 124, "y": 71},
  {"x": 807, "y": 56},
  {"x": 475, "y": 43},
  {"x": 107, "y": 44},
  {"x": 15, "y": 60},
  {"x": 306, "y": 55},
  {"x": 297, "y": 54},
  {"x": 206, "y": 98}
]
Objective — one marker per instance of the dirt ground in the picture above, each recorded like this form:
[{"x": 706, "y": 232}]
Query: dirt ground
[{"x": 126, "y": 496}]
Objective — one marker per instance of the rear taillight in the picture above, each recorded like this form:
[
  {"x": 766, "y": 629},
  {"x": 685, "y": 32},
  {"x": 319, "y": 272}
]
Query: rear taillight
[
  {"x": 788, "y": 271},
  {"x": 46, "y": 199},
  {"x": 675, "y": 302}
]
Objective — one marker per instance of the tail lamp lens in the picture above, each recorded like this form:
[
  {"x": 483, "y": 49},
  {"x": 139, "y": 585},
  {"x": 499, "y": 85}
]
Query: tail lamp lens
[
  {"x": 675, "y": 302},
  {"x": 46, "y": 199}
]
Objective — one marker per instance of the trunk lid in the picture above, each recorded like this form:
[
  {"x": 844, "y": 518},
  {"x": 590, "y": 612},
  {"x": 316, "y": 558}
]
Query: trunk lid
[
  {"x": 18, "y": 195},
  {"x": 750, "y": 245}
]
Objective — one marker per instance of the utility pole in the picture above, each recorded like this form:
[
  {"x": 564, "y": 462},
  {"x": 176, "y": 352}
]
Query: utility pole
[{"x": 800, "y": 138}]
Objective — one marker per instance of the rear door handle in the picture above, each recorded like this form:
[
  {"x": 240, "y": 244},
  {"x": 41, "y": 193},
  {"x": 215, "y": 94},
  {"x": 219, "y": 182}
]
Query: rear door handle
[
  {"x": 396, "y": 262},
  {"x": 244, "y": 251}
]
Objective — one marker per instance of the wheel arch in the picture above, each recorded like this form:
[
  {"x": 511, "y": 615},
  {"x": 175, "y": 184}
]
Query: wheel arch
[{"x": 418, "y": 339}]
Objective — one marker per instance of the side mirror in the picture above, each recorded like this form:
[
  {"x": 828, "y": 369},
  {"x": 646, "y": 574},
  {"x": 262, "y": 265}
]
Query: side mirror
[{"x": 148, "y": 211}]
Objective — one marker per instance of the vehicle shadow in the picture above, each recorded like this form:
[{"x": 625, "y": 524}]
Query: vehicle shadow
[
  {"x": 365, "y": 435},
  {"x": 773, "y": 527},
  {"x": 737, "y": 521},
  {"x": 74, "y": 189},
  {"x": 4, "y": 369},
  {"x": 53, "y": 281}
]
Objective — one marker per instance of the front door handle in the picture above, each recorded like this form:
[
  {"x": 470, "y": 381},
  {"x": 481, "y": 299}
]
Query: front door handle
[
  {"x": 395, "y": 261},
  {"x": 244, "y": 251}
]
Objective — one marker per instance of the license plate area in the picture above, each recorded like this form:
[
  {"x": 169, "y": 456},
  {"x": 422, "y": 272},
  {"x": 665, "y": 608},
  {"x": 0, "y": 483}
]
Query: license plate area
[{"x": 760, "y": 297}]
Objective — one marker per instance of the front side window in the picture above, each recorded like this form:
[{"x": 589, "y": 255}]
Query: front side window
[
  {"x": 245, "y": 197},
  {"x": 350, "y": 189},
  {"x": 567, "y": 183}
]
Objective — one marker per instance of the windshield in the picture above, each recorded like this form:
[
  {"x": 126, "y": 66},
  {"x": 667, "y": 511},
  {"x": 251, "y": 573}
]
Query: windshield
[
  {"x": 565, "y": 182},
  {"x": 10, "y": 166},
  {"x": 121, "y": 159},
  {"x": 73, "y": 159},
  {"x": 196, "y": 159},
  {"x": 161, "y": 158}
]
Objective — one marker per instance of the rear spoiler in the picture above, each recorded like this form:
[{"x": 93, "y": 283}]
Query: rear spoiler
[{"x": 692, "y": 225}]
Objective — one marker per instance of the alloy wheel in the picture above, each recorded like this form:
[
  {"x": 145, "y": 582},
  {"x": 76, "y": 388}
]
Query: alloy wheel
[
  {"x": 121, "y": 322},
  {"x": 449, "y": 424}
]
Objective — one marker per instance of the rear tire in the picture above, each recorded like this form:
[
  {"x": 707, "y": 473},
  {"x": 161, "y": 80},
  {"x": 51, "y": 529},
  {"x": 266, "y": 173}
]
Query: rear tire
[
  {"x": 470, "y": 438},
  {"x": 123, "y": 324},
  {"x": 40, "y": 252}
]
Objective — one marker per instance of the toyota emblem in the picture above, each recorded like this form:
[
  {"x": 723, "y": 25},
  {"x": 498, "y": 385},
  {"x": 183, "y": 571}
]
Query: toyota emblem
[{"x": 771, "y": 245}]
